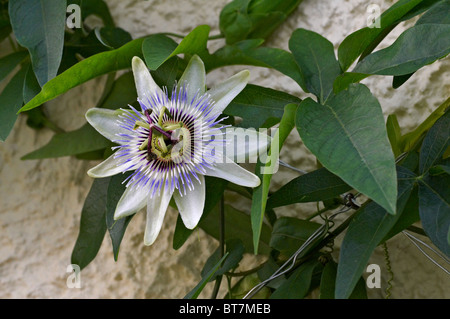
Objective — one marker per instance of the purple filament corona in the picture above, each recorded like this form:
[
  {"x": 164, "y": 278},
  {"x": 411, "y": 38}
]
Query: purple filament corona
[{"x": 196, "y": 149}]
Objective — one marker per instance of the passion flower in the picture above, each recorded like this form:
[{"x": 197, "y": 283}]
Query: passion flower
[{"x": 172, "y": 143}]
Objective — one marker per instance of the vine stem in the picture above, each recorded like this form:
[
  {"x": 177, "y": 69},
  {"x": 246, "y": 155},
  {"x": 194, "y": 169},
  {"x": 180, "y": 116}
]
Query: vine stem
[
  {"x": 222, "y": 246},
  {"x": 389, "y": 269}
]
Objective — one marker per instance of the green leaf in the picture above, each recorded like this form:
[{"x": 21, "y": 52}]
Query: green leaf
[
  {"x": 279, "y": 60},
  {"x": 410, "y": 161},
  {"x": 235, "y": 252},
  {"x": 328, "y": 283},
  {"x": 267, "y": 169},
  {"x": 408, "y": 216},
  {"x": 92, "y": 224},
  {"x": 410, "y": 139},
  {"x": 399, "y": 80},
  {"x": 358, "y": 42},
  {"x": 315, "y": 56},
  {"x": 234, "y": 21},
  {"x": 243, "y": 287},
  {"x": 298, "y": 284},
  {"x": 394, "y": 133},
  {"x": 343, "y": 81},
  {"x": 268, "y": 15},
  {"x": 90, "y": 156},
  {"x": 259, "y": 106},
  {"x": 158, "y": 48},
  {"x": 413, "y": 49},
  {"x": 116, "y": 228},
  {"x": 248, "y": 52},
  {"x": 423, "y": 6},
  {"x": 238, "y": 226},
  {"x": 348, "y": 136},
  {"x": 436, "y": 142},
  {"x": 416, "y": 47},
  {"x": 438, "y": 13},
  {"x": 214, "y": 191},
  {"x": 5, "y": 26},
  {"x": 38, "y": 25},
  {"x": 315, "y": 186},
  {"x": 167, "y": 74},
  {"x": 83, "y": 140},
  {"x": 98, "y": 8},
  {"x": 9, "y": 62},
  {"x": 434, "y": 209},
  {"x": 267, "y": 270},
  {"x": 290, "y": 233},
  {"x": 439, "y": 169},
  {"x": 112, "y": 38},
  {"x": 11, "y": 99},
  {"x": 30, "y": 85},
  {"x": 194, "y": 293},
  {"x": 122, "y": 93},
  {"x": 87, "y": 69},
  {"x": 366, "y": 232},
  {"x": 249, "y": 19},
  {"x": 264, "y": 24}
]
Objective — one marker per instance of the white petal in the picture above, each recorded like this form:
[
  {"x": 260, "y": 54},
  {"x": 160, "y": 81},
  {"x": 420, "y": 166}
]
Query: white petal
[
  {"x": 145, "y": 85},
  {"x": 132, "y": 200},
  {"x": 106, "y": 122},
  {"x": 156, "y": 210},
  {"x": 225, "y": 92},
  {"x": 108, "y": 167},
  {"x": 191, "y": 205},
  {"x": 195, "y": 76},
  {"x": 244, "y": 144},
  {"x": 234, "y": 173}
]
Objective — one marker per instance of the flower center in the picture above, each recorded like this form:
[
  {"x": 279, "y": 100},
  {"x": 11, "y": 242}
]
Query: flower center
[{"x": 168, "y": 140}]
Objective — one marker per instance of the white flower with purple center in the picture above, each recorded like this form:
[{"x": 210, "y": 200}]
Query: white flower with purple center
[{"x": 172, "y": 143}]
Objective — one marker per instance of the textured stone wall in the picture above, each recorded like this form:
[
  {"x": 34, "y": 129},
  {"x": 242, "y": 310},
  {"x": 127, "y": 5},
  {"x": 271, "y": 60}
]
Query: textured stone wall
[{"x": 38, "y": 228}]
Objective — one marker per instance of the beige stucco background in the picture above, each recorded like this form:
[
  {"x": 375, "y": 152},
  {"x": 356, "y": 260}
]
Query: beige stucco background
[{"x": 41, "y": 201}]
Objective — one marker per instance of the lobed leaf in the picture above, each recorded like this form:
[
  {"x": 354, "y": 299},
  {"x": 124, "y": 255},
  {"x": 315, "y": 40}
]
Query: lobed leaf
[
  {"x": 413, "y": 49},
  {"x": 365, "y": 232},
  {"x": 348, "y": 136},
  {"x": 316, "y": 59},
  {"x": 92, "y": 224},
  {"x": 38, "y": 25},
  {"x": 359, "y": 41}
]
